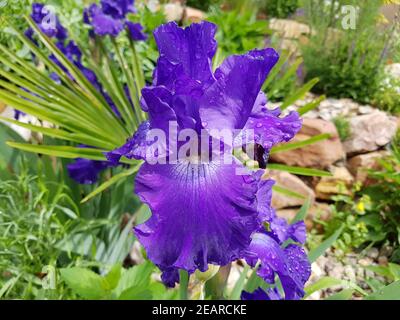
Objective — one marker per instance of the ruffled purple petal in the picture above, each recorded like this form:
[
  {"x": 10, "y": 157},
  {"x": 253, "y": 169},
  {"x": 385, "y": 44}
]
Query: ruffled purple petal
[
  {"x": 104, "y": 24},
  {"x": 290, "y": 264},
  {"x": 282, "y": 231},
  {"x": 134, "y": 148},
  {"x": 260, "y": 294},
  {"x": 136, "y": 31},
  {"x": 264, "y": 196},
  {"x": 201, "y": 213},
  {"x": 299, "y": 271},
  {"x": 118, "y": 9},
  {"x": 228, "y": 103},
  {"x": 86, "y": 171},
  {"x": 270, "y": 129},
  {"x": 190, "y": 50},
  {"x": 170, "y": 276}
]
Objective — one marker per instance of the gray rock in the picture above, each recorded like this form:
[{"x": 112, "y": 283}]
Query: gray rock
[
  {"x": 370, "y": 132},
  {"x": 373, "y": 253}
]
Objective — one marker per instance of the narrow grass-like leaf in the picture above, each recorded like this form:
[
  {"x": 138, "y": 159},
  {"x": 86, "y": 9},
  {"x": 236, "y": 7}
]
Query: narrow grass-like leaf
[
  {"x": 299, "y": 93},
  {"x": 328, "y": 282},
  {"x": 287, "y": 192},
  {"x": 123, "y": 175},
  {"x": 299, "y": 170},
  {"x": 61, "y": 151},
  {"x": 275, "y": 70},
  {"x": 291, "y": 71},
  {"x": 300, "y": 144},
  {"x": 342, "y": 295},
  {"x": 325, "y": 245},
  {"x": 301, "y": 215},
  {"x": 311, "y": 105}
]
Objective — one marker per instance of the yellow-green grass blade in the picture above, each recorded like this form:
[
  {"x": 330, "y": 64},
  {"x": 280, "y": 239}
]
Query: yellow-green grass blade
[
  {"x": 61, "y": 151},
  {"x": 62, "y": 134},
  {"x": 299, "y": 93},
  {"x": 116, "y": 178}
]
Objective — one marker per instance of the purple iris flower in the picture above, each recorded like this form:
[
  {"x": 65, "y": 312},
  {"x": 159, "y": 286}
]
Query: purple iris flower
[
  {"x": 110, "y": 18},
  {"x": 136, "y": 31},
  {"x": 118, "y": 9},
  {"x": 86, "y": 171},
  {"x": 204, "y": 213},
  {"x": 48, "y": 23},
  {"x": 18, "y": 114},
  {"x": 260, "y": 294}
]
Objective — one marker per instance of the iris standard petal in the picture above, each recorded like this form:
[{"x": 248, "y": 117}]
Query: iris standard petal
[
  {"x": 201, "y": 213},
  {"x": 228, "y": 103},
  {"x": 191, "y": 48}
]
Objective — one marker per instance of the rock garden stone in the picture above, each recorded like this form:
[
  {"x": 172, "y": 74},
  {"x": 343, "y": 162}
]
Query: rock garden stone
[
  {"x": 370, "y": 132},
  {"x": 292, "y": 182},
  {"x": 318, "y": 155},
  {"x": 360, "y": 164},
  {"x": 339, "y": 183}
]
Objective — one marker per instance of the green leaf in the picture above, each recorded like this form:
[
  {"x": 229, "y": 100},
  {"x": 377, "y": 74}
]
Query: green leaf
[
  {"x": 276, "y": 69},
  {"x": 299, "y": 94},
  {"x": 328, "y": 282},
  {"x": 85, "y": 283},
  {"x": 135, "y": 277},
  {"x": 61, "y": 134},
  {"x": 61, "y": 151},
  {"x": 300, "y": 171},
  {"x": 118, "y": 177},
  {"x": 300, "y": 144},
  {"x": 288, "y": 192},
  {"x": 301, "y": 215},
  {"x": 325, "y": 245},
  {"x": 381, "y": 270},
  {"x": 390, "y": 292},
  {"x": 112, "y": 278},
  {"x": 342, "y": 295},
  {"x": 311, "y": 105},
  {"x": 136, "y": 293}
]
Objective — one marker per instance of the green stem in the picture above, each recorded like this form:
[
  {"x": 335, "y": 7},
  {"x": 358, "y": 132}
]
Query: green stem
[{"x": 183, "y": 284}]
